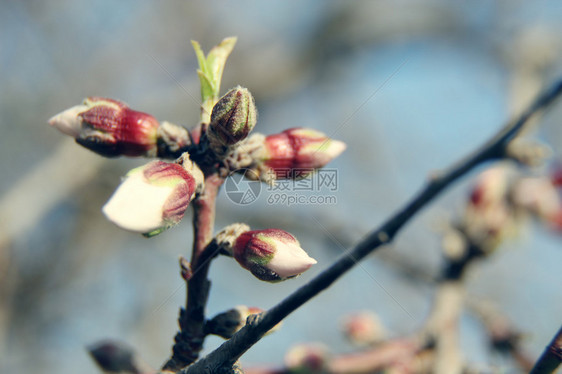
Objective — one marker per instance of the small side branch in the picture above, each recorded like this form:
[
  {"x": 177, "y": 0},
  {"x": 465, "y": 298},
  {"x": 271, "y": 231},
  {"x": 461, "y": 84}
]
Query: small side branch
[
  {"x": 551, "y": 358},
  {"x": 229, "y": 352}
]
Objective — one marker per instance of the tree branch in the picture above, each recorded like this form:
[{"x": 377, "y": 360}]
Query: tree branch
[
  {"x": 551, "y": 358},
  {"x": 257, "y": 326},
  {"x": 189, "y": 340}
]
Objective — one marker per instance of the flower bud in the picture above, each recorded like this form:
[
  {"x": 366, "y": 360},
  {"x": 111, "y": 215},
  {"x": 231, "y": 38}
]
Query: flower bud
[
  {"x": 230, "y": 322},
  {"x": 152, "y": 198},
  {"x": 307, "y": 358},
  {"x": 490, "y": 188},
  {"x": 272, "y": 255},
  {"x": 489, "y": 217},
  {"x": 233, "y": 117},
  {"x": 299, "y": 148},
  {"x": 109, "y": 128},
  {"x": 117, "y": 357},
  {"x": 537, "y": 195},
  {"x": 363, "y": 329}
]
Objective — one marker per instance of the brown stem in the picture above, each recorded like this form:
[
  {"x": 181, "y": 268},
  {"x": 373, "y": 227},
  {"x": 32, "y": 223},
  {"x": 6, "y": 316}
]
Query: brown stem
[
  {"x": 230, "y": 351},
  {"x": 189, "y": 340},
  {"x": 502, "y": 335},
  {"x": 376, "y": 359},
  {"x": 551, "y": 357},
  {"x": 402, "y": 352}
]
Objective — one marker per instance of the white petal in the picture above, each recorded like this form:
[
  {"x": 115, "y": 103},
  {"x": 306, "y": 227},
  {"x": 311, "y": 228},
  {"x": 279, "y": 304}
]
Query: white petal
[
  {"x": 69, "y": 122},
  {"x": 290, "y": 260},
  {"x": 137, "y": 205},
  {"x": 335, "y": 148},
  {"x": 538, "y": 195}
]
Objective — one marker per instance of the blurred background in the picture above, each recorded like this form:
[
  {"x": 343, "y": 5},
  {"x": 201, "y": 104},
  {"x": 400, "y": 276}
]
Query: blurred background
[{"x": 410, "y": 86}]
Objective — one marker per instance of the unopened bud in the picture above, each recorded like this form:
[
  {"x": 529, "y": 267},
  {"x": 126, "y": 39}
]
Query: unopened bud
[
  {"x": 271, "y": 255},
  {"x": 185, "y": 269},
  {"x": 307, "y": 358},
  {"x": 230, "y": 322},
  {"x": 488, "y": 217},
  {"x": 490, "y": 188},
  {"x": 152, "y": 198},
  {"x": 299, "y": 150},
  {"x": 117, "y": 357},
  {"x": 363, "y": 329},
  {"x": 109, "y": 128},
  {"x": 233, "y": 117},
  {"x": 538, "y": 195}
]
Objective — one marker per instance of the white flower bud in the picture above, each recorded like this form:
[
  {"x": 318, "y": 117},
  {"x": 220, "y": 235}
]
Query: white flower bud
[
  {"x": 152, "y": 198},
  {"x": 271, "y": 255}
]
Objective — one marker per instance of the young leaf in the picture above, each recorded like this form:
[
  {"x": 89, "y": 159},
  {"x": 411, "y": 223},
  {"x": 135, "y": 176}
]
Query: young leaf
[
  {"x": 200, "y": 56},
  {"x": 216, "y": 59},
  {"x": 207, "y": 89}
]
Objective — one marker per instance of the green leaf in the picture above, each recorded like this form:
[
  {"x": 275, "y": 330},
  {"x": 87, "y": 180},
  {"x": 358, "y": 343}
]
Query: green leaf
[
  {"x": 216, "y": 59},
  {"x": 207, "y": 89},
  {"x": 200, "y": 56},
  {"x": 210, "y": 73}
]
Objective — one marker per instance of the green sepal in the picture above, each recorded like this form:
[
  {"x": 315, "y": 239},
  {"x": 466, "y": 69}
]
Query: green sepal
[{"x": 155, "y": 232}]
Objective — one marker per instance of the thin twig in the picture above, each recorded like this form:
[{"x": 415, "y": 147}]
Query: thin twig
[
  {"x": 255, "y": 329},
  {"x": 551, "y": 358},
  {"x": 502, "y": 335}
]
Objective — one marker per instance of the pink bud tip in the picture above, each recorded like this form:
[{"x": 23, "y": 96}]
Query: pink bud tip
[
  {"x": 300, "y": 148},
  {"x": 109, "y": 127},
  {"x": 271, "y": 255},
  {"x": 490, "y": 188}
]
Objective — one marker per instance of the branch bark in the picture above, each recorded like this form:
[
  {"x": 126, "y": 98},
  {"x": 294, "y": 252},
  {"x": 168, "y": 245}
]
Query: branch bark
[
  {"x": 551, "y": 357},
  {"x": 189, "y": 340},
  {"x": 229, "y": 352}
]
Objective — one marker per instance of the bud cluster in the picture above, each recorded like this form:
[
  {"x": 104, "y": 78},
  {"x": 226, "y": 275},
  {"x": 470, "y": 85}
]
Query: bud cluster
[{"x": 499, "y": 199}]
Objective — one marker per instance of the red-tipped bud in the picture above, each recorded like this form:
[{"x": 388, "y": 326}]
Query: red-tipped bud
[
  {"x": 299, "y": 148},
  {"x": 233, "y": 117},
  {"x": 363, "y": 329},
  {"x": 491, "y": 187},
  {"x": 109, "y": 128},
  {"x": 307, "y": 358},
  {"x": 488, "y": 217},
  {"x": 272, "y": 255},
  {"x": 153, "y": 197}
]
